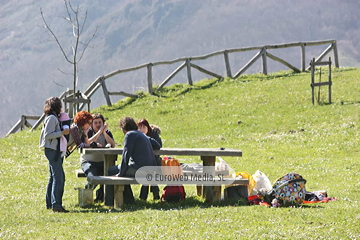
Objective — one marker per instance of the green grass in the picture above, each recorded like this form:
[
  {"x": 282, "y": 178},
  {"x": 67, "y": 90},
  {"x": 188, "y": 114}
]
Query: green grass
[{"x": 270, "y": 118}]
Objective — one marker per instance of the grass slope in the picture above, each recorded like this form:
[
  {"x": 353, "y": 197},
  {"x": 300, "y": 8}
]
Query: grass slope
[{"x": 270, "y": 118}]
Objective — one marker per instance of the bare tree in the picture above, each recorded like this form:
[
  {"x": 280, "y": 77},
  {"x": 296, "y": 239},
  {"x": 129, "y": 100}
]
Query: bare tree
[{"x": 79, "y": 47}]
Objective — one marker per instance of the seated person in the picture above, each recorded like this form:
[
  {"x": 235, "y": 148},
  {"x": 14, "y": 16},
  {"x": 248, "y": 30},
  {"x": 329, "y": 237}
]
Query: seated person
[
  {"x": 93, "y": 164},
  {"x": 137, "y": 153},
  {"x": 78, "y": 132},
  {"x": 153, "y": 132}
]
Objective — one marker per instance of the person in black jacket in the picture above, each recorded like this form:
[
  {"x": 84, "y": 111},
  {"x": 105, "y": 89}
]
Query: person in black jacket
[
  {"x": 93, "y": 164},
  {"x": 137, "y": 153}
]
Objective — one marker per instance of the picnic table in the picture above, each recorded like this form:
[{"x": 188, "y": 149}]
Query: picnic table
[{"x": 207, "y": 155}]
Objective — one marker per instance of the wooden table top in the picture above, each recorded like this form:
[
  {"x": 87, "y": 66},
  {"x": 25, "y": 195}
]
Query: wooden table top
[{"x": 171, "y": 151}]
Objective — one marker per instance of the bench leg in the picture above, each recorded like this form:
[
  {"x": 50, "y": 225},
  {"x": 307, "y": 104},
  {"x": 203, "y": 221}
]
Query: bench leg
[
  {"x": 109, "y": 162},
  {"x": 217, "y": 195},
  {"x": 199, "y": 190},
  {"x": 118, "y": 196},
  {"x": 208, "y": 191}
]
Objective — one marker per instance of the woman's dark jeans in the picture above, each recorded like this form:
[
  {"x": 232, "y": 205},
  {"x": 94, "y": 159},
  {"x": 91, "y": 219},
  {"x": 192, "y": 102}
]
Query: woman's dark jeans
[{"x": 55, "y": 187}]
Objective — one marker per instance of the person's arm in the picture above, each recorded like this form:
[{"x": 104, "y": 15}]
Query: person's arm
[
  {"x": 76, "y": 135},
  {"x": 108, "y": 136},
  {"x": 127, "y": 152},
  {"x": 156, "y": 136},
  {"x": 94, "y": 137},
  {"x": 50, "y": 128},
  {"x": 155, "y": 145},
  {"x": 91, "y": 137},
  {"x": 86, "y": 138}
]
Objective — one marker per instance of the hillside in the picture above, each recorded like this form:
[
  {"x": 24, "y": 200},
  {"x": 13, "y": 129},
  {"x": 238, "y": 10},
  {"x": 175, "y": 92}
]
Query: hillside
[
  {"x": 131, "y": 33},
  {"x": 270, "y": 118}
]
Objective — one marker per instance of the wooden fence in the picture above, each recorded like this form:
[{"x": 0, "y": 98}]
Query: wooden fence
[{"x": 187, "y": 62}]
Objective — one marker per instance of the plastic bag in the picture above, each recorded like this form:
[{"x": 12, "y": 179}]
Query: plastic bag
[
  {"x": 223, "y": 168},
  {"x": 262, "y": 181},
  {"x": 221, "y": 165}
]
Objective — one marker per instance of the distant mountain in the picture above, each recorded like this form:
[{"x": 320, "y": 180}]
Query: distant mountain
[{"x": 131, "y": 33}]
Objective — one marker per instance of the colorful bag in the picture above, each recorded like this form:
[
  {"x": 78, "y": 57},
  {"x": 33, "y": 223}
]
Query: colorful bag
[
  {"x": 173, "y": 194},
  {"x": 288, "y": 190}
]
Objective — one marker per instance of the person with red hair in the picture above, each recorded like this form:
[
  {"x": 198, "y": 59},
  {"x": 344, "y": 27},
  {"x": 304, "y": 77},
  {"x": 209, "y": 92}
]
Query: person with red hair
[{"x": 78, "y": 132}]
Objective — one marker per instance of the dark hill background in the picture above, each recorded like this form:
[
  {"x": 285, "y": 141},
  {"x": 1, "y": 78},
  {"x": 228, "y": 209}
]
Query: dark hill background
[{"x": 131, "y": 33}]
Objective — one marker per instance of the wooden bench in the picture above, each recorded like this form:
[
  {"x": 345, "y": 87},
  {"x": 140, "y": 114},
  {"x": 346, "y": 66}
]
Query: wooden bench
[
  {"x": 207, "y": 156},
  {"x": 119, "y": 183}
]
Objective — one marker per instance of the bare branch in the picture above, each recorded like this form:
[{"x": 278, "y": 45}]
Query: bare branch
[
  {"x": 77, "y": 32},
  {"x": 82, "y": 27},
  {"x": 65, "y": 72},
  {"x": 72, "y": 9},
  {"x": 84, "y": 44},
  {"x": 74, "y": 18},
  {"x": 61, "y": 84},
  {"x": 68, "y": 12},
  {"x": 87, "y": 44},
  {"x": 57, "y": 40}
]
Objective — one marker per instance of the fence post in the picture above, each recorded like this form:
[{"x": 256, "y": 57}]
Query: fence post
[
  {"x": 336, "y": 59},
  {"x": 264, "y": 62},
  {"x": 188, "y": 66},
  {"x": 40, "y": 120},
  {"x": 149, "y": 78},
  {"x": 227, "y": 63},
  {"x": 106, "y": 93},
  {"x": 303, "y": 57},
  {"x": 312, "y": 65},
  {"x": 329, "y": 79},
  {"x": 22, "y": 125}
]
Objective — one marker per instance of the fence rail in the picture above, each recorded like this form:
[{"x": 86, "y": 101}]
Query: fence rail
[{"x": 186, "y": 62}]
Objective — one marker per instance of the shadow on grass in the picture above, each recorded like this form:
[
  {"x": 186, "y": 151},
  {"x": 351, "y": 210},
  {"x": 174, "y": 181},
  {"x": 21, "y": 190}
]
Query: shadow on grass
[
  {"x": 122, "y": 104},
  {"x": 190, "y": 202},
  {"x": 181, "y": 89},
  {"x": 337, "y": 103},
  {"x": 348, "y": 102}
]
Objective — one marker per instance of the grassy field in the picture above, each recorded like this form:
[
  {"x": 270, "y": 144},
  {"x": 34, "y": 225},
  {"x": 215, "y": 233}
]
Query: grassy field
[{"x": 270, "y": 118}]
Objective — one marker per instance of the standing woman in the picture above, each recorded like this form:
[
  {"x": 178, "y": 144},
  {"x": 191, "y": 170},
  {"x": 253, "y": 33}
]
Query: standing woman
[
  {"x": 152, "y": 132},
  {"x": 50, "y": 140}
]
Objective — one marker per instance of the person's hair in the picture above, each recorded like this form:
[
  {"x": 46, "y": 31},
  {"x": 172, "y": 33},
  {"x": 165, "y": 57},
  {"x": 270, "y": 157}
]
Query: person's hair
[
  {"x": 128, "y": 124},
  {"x": 52, "y": 106},
  {"x": 144, "y": 122},
  {"x": 155, "y": 128},
  {"x": 81, "y": 118},
  {"x": 98, "y": 115}
]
